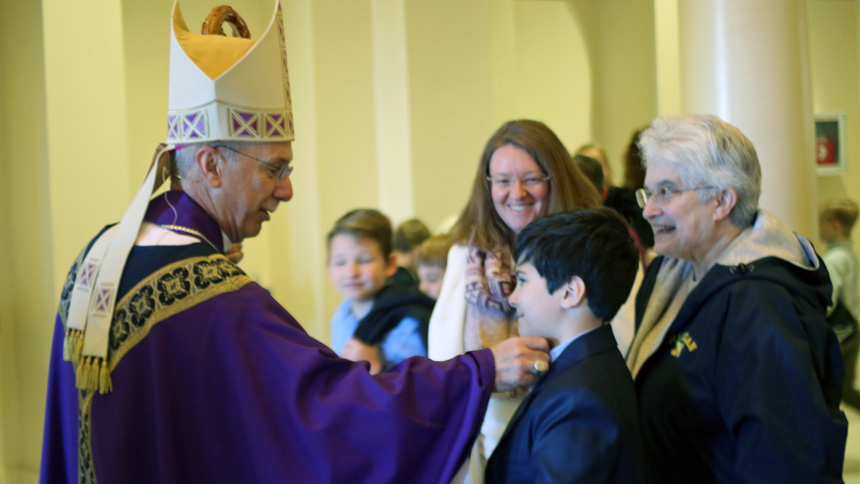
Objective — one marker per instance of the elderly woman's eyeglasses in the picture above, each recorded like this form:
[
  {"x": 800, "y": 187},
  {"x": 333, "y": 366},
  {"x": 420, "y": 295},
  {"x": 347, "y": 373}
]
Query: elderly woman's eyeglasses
[
  {"x": 281, "y": 171},
  {"x": 503, "y": 181},
  {"x": 662, "y": 194}
]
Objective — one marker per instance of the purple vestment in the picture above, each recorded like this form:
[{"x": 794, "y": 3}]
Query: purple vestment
[{"x": 213, "y": 381}]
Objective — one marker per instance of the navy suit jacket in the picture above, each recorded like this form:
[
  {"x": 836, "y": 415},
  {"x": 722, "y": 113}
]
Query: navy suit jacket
[{"x": 579, "y": 424}]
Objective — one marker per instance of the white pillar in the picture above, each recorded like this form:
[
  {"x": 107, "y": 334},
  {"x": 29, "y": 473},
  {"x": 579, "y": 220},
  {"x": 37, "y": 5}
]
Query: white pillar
[
  {"x": 747, "y": 62},
  {"x": 87, "y": 139},
  {"x": 391, "y": 103},
  {"x": 667, "y": 57}
]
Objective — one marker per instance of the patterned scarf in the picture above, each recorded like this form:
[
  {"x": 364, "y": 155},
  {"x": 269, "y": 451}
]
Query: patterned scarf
[{"x": 489, "y": 282}]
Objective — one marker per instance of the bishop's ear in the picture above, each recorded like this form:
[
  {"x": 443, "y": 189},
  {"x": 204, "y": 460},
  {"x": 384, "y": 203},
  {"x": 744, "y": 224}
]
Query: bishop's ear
[
  {"x": 210, "y": 164},
  {"x": 574, "y": 293}
]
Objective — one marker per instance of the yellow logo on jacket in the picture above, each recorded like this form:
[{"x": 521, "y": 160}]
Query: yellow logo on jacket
[{"x": 682, "y": 341}]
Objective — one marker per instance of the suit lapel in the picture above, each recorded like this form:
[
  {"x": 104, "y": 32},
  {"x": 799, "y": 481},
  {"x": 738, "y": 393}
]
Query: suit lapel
[
  {"x": 591, "y": 343},
  {"x": 521, "y": 410}
]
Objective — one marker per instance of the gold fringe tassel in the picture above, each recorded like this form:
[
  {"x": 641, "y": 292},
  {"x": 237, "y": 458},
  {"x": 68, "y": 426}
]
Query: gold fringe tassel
[
  {"x": 104, "y": 378},
  {"x": 67, "y": 345},
  {"x": 93, "y": 374},
  {"x": 93, "y": 377},
  {"x": 73, "y": 344},
  {"x": 75, "y": 341},
  {"x": 81, "y": 374}
]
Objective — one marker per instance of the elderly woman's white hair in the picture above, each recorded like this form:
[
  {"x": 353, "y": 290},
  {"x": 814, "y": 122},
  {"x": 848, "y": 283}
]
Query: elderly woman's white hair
[{"x": 707, "y": 152}]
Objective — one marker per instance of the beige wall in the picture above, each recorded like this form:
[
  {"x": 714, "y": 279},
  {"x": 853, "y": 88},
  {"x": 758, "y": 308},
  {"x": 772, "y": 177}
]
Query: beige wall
[
  {"x": 474, "y": 65},
  {"x": 667, "y": 57},
  {"x": 393, "y": 102},
  {"x": 622, "y": 51},
  {"x": 27, "y": 299},
  {"x": 835, "y": 59}
]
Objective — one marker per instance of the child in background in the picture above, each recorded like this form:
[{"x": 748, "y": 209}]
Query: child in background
[
  {"x": 377, "y": 321},
  {"x": 580, "y": 423},
  {"x": 430, "y": 261},
  {"x": 836, "y": 221},
  {"x": 408, "y": 236}
]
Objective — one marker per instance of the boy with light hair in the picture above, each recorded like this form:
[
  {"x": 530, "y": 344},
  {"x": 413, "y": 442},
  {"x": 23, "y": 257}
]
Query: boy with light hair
[{"x": 836, "y": 221}]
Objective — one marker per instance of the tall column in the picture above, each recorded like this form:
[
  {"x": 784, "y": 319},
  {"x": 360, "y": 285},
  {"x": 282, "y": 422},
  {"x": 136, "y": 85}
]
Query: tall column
[
  {"x": 26, "y": 292},
  {"x": 454, "y": 83},
  {"x": 667, "y": 57},
  {"x": 391, "y": 103},
  {"x": 294, "y": 245},
  {"x": 87, "y": 139},
  {"x": 747, "y": 62}
]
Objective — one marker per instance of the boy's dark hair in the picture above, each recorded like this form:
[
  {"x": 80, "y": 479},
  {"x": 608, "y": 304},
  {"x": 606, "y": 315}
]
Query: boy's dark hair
[
  {"x": 365, "y": 223},
  {"x": 410, "y": 234},
  {"x": 593, "y": 244}
]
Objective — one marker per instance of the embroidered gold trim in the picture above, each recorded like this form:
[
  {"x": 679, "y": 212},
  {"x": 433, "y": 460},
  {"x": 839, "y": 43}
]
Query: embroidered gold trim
[
  {"x": 86, "y": 470},
  {"x": 66, "y": 294},
  {"x": 164, "y": 293},
  {"x": 170, "y": 290}
]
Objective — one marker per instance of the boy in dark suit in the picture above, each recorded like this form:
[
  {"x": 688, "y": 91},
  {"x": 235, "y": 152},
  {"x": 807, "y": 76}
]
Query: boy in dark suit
[{"x": 580, "y": 421}]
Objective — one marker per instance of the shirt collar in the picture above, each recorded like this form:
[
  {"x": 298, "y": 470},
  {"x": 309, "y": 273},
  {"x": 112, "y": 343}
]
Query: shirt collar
[{"x": 558, "y": 350}]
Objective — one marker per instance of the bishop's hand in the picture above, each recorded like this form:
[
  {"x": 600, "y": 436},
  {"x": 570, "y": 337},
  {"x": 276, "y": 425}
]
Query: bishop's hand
[
  {"x": 357, "y": 350},
  {"x": 520, "y": 362}
]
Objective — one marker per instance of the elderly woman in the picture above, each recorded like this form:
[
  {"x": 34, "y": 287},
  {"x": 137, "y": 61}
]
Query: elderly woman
[
  {"x": 525, "y": 172},
  {"x": 737, "y": 373}
]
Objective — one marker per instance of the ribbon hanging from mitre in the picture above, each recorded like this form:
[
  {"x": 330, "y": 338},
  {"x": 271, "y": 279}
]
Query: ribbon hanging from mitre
[
  {"x": 220, "y": 89},
  {"x": 97, "y": 281}
]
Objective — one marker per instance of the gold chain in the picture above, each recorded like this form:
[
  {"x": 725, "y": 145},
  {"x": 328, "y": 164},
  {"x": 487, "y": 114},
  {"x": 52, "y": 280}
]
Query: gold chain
[{"x": 189, "y": 231}]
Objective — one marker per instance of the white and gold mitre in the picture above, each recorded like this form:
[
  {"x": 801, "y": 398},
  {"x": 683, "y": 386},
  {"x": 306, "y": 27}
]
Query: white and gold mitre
[
  {"x": 228, "y": 88},
  {"x": 221, "y": 88}
]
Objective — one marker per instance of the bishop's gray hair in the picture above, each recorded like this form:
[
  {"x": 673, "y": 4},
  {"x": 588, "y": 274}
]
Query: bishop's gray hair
[{"x": 185, "y": 158}]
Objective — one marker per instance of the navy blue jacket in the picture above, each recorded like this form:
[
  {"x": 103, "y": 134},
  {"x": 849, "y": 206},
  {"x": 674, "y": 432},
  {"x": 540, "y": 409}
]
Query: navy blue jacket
[
  {"x": 745, "y": 386},
  {"x": 579, "y": 423}
]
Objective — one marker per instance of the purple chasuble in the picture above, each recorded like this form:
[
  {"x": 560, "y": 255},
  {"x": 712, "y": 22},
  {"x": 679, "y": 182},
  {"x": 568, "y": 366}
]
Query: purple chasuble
[{"x": 215, "y": 382}]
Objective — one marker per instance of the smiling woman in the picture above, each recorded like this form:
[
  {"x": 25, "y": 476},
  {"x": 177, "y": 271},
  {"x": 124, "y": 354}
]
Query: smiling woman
[
  {"x": 519, "y": 187},
  {"x": 731, "y": 343},
  {"x": 524, "y": 173}
]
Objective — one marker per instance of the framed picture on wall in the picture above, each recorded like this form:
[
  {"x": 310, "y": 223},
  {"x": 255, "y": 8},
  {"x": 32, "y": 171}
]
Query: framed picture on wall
[{"x": 830, "y": 143}]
